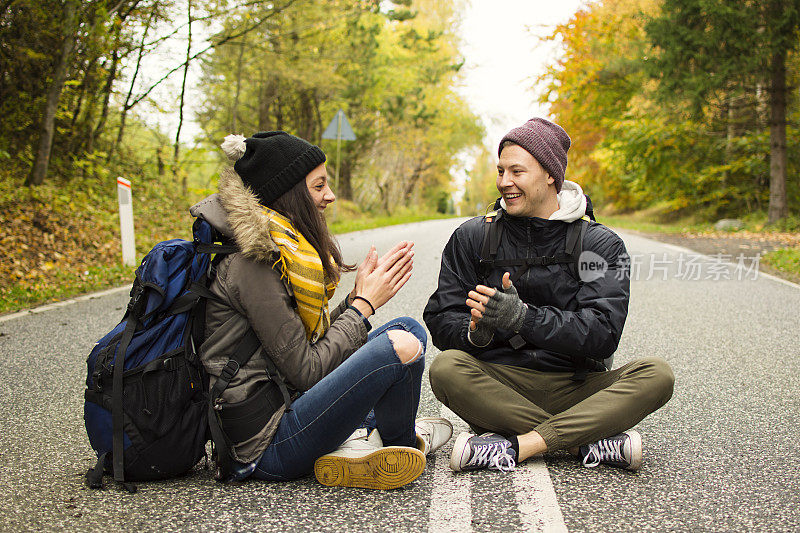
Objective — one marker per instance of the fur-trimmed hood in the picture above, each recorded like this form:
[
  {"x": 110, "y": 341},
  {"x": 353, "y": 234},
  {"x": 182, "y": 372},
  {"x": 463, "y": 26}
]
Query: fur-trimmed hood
[{"x": 236, "y": 213}]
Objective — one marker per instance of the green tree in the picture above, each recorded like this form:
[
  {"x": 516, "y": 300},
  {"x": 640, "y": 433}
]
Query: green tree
[
  {"x": 597, "y": 82},
  {"x": 390, "y": 66},
  {"x": 709, "y": 53}
]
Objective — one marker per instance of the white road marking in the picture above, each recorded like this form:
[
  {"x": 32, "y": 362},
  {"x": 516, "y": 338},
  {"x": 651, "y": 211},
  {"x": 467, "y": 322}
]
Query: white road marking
[
  {"x": 536, "y": 498},
  {"x": 674, "y": 248},
  {"x": 451, "y": 499},
  {"x": 687, "y": 251}
]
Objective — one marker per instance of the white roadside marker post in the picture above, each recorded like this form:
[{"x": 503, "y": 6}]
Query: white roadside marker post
[{"x": 125, "y": 197}]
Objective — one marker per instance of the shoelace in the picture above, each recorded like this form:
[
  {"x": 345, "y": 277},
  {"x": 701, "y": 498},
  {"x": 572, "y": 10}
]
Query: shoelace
[
  {"x": 604, "y": 450},
  {"x": 494, "y": 455},
  {"x": 503, "y": 462}
]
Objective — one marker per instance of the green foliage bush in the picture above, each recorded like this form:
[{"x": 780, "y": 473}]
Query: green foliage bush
[{"x": 676, "y": 115}]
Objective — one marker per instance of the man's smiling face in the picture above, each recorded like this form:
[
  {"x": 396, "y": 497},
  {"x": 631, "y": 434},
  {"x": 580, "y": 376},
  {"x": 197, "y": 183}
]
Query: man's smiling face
[{"x": 523, "y": 182}]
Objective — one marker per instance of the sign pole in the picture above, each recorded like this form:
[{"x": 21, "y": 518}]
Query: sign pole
[
  {"x": 125, "y": 198},
  {"x": 338, "y": 129}
]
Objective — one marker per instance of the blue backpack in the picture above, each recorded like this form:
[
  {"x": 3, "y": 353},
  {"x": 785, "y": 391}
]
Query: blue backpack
[{"x": 147, "y": 417}]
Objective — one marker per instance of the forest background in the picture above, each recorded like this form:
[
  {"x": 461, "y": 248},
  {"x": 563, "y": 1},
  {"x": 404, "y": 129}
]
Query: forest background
[{"x": 679, "y": 110}]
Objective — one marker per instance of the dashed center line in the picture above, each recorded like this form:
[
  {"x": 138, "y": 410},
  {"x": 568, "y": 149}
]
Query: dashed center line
[
  {"x": 536, "y": 498},
  {"x": 451, "y": 498}
]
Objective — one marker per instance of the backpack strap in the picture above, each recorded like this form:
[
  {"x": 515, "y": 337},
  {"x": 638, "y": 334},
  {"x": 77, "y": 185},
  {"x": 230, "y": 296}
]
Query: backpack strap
[
  {"x": 135, "y": 309},
  {"x": 94, "y": 477},
  {"x": 574, "y": 246},
  {"x": 213, "y": 248},
  {"x": 244, "y": 351},
  {"x": 589, "y": 209},
  {"x": 492, "y": 230}
]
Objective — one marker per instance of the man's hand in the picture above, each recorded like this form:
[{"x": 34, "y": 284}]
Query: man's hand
[
  {"x": 492, "y": 309},
  {"x": 479, "y": 335}
]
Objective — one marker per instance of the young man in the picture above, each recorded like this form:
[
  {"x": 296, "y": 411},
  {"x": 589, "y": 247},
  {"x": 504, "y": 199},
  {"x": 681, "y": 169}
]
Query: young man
[{"x": 527, "y": 364}]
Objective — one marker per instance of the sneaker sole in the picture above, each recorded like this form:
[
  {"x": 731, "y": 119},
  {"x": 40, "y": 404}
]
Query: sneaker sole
[
  {"x": 385, "y": 469},
  {"x": 636, "y": 449},
  {"x": 459, "y": 446}
]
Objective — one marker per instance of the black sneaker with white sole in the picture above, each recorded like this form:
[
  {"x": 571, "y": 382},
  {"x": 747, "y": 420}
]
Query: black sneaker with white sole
[
  {"x": 623, "y": 450},
  {"x": 490, "y": 450}
]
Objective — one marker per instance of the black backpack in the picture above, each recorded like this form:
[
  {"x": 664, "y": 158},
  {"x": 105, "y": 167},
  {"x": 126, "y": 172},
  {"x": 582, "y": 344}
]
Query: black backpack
[
  {"x": 148, "y": 417},
  {"x": 493, "y": 230}
]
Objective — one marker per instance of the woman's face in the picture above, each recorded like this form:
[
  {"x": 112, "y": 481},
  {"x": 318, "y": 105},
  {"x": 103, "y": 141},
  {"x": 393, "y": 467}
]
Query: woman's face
[{"x": 317, "y": 183}]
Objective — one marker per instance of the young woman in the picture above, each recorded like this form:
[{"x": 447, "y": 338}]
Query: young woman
[{"x": 354, "y": 393}]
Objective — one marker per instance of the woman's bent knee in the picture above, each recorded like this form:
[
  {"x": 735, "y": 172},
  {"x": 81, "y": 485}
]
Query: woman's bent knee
[
  {"x": 412, "y": 326},
  {"x": 407, "y": 346}
]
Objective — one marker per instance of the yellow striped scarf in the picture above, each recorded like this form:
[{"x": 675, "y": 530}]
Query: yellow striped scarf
[{"x": 300, "y": 263}]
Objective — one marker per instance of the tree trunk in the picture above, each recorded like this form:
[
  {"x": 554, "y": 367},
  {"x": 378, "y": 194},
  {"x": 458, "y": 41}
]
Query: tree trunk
[
  {"x": 87, "y": 77},
  {"x": 127, "y": 105},
  {"x": 107, "y": 89},
  {"x": 160, "y": 160},
  {"x": 42, "y": 161},
  {"x": 727, "y": 112},
  {"x": 777, "y": 139},
  {"x": 345, "y": 185},
  {"x": 235, "y": 113},
  {"x": 183, "y": 95}
]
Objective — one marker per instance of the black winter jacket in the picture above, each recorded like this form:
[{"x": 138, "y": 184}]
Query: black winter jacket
[{"x": 569, "y": 326}]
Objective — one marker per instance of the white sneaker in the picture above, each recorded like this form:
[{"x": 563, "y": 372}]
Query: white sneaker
[
  {"x": 432, "y": 433},
  {"x": 363, "y": 461}
]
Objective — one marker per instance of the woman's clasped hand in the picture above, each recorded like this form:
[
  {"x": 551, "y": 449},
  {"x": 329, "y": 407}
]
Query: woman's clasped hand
[{"x": 378, "y": 279}]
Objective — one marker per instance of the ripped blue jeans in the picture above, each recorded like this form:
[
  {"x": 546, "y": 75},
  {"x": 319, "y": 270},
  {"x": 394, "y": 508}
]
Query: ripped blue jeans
[{"x": 371, "y": 381}]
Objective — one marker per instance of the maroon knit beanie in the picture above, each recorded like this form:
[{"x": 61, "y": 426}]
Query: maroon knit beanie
[{"x": 547, "y": 142}]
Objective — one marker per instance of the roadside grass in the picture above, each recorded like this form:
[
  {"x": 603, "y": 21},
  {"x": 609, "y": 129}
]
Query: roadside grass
[
  {"x": 634, "y": 222},
  {"x": 61, "y": 241},
  {"x": 349, "y": 218},
  {"x": 786, "y": 260},
  {"x": 754, "y": 226},
  {"x": 64, "y": 285},
  {"x": 649, "y": 222}
]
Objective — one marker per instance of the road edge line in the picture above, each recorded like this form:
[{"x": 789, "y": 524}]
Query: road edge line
[
  {"x": 683, "y": 249},
  {"x": 63, "y": 303}
]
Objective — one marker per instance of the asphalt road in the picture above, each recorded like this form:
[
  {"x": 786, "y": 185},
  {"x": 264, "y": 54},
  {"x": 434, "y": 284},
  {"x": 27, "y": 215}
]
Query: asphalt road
[{"x": 720, "y": 456}]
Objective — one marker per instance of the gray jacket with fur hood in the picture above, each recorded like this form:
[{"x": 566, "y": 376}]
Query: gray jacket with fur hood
[{"x": 255, "y": 295}]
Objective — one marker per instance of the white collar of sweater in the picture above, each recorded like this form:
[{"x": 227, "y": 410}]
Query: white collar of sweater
[{"x": 571, "y": 203}]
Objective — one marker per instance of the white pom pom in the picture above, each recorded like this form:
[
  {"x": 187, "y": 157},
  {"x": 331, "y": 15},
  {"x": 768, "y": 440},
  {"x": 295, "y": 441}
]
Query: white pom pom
[{"x": 234, "y": 146}]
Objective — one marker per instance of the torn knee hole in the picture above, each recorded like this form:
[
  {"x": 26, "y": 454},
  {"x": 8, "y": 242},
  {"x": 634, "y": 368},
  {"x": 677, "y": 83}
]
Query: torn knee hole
[{"x": 407, "y": 347}]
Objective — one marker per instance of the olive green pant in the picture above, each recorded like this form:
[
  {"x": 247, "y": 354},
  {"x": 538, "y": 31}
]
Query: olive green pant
[{"x": 512, "y": 400}]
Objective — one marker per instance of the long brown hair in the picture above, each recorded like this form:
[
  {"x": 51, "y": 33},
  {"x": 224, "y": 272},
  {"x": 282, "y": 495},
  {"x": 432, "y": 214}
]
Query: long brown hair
[{"x": 296, "y": 205}]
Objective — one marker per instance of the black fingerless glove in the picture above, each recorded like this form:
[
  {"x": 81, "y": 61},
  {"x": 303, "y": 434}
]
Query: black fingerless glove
[{"x": 504, "y": 310}]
